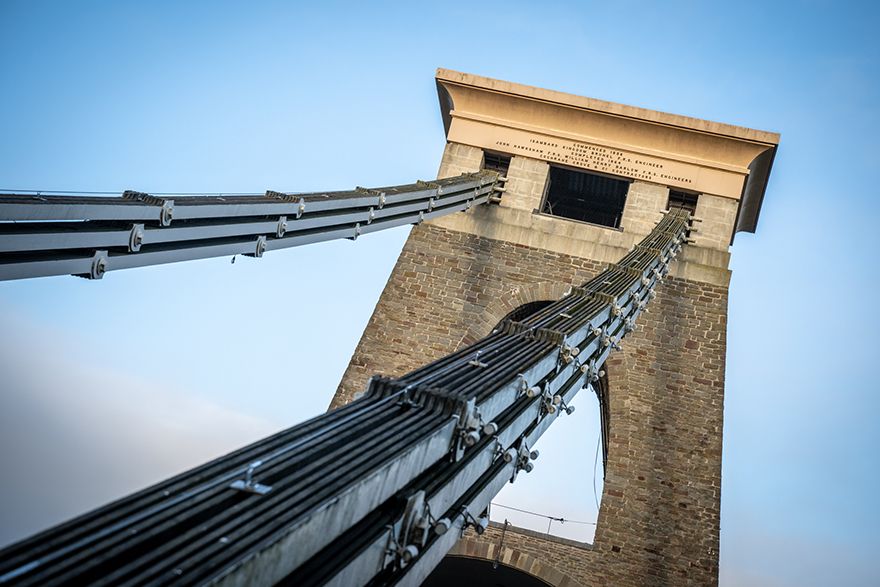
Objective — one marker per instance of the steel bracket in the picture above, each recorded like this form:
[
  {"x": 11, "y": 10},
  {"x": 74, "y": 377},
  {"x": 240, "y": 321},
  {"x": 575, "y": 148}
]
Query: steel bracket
[
  {"x": 476, "y": 362},
  {"x": 524, "y": 458},
  {"x": 248, "y": 485},
  {"x": 136, "y": 238},
  {"x": 259, "y": 247},
  {"x": 99, "y": 265},
  {"x": 471, "y": 428}
]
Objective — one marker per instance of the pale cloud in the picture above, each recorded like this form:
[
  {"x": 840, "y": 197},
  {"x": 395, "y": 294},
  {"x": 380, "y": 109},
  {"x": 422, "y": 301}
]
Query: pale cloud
[
  {"x": 760, "y": 555},
  {"x": 75, "y": 434}
]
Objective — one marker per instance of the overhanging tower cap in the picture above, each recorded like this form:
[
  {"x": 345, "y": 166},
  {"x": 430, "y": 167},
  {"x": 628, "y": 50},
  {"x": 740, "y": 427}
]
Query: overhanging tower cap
[{"x": 684, "y": 153}]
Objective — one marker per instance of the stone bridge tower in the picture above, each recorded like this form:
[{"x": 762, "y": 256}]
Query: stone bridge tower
[{"x": 587, "y": 180}]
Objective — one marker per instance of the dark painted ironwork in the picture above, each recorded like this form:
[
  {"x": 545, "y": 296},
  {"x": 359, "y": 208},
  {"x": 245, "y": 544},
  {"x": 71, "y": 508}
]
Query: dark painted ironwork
[
  {"x": 88, "y": 236},
  {"x": 378, "y": 491}
]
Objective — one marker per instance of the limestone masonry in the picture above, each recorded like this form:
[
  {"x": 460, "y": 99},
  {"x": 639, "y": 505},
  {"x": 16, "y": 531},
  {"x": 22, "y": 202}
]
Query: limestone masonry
[{"x": 458, "y": 276}]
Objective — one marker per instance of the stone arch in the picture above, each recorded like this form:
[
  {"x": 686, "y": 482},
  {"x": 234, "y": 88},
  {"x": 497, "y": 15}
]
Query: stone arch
[
  {"x": 513, "y": 298},
  {"x": 469, "y": 547},
  {"x": 517, "y": 297}
]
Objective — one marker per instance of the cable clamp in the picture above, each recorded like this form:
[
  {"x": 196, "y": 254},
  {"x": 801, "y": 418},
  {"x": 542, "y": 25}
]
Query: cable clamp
[
  {"x": 569, "y": 410},
  {"x": 259, "y": 247},
  {"x": 470, "y": 428},
  {"x": 99, "y": 265},
  {"x": 523, "y": 459},
  {"x": 592, "y": 371},
  {"x": 549, "y": 402},
  {"x": 569, "y": 352},
  {"x": 135, "y": 238},
  {"x": 166, "y": 212},
  {"x": 410, "y": 534},
  {"x": 530, "y": 391}
]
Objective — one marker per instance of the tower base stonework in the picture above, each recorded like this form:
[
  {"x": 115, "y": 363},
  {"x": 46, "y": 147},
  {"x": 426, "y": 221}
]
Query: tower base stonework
[
  {"x": 660, "y": 515},
  {"x": 457, "y": 277}
]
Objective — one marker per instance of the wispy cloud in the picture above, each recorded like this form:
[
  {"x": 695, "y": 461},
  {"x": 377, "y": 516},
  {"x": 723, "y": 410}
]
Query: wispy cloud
[
  {"x": 75, "y": 434},
  {"x": 757, "y": 554}
]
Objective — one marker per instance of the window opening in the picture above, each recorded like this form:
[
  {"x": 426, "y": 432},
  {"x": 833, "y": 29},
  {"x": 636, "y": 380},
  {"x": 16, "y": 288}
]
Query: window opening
[
  {"x": 587, "y": 428},
  {"x": 682, "y": 200},
  {"x": 496, "y": 162},
  {"x": 587, "y": 197}
]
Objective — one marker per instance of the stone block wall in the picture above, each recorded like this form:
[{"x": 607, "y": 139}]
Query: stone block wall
[
  {"x": 717, "y": 216},
  {"x": 449, "y": 289},
  {"x": 458, "y": 159},
  {"x": 526, "y": 181},
  {"x": 645, "y": 203},
  {"x": 660, "y": 513}
]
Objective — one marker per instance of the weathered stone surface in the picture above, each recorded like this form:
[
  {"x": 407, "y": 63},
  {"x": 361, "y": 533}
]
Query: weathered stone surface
[
  {"x": 447, "y": 290},
  {"x": 660, "y": 514},
  {"x": 645, "y": 203}
]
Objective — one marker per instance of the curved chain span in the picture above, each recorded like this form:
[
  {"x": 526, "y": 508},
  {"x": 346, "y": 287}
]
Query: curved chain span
[
  {"x": 378, "y": 491},
  {"x": 88, "y": 236}
]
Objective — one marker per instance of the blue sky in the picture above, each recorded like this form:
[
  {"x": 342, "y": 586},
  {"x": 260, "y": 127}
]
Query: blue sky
[{"x": 110, "y": 385}]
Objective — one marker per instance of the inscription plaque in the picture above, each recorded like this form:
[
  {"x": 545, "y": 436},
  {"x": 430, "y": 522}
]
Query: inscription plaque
[{"x": 596, "y": 157}]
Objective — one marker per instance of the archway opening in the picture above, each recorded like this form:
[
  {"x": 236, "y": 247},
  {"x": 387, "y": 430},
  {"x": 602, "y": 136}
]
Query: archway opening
[
  {"x": 459, "y": 570},
  {"x": 524, "y": 311},
  {"x": 562, "y": 496}
]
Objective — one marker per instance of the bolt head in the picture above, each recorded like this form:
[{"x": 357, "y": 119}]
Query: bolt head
[{"x": 409, "y": 553}]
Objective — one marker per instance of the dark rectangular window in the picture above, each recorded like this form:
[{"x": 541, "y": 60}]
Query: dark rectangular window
[
  {"x": 682, "y": 200},
  {"x": 494, "y": 162},
  {"x": 587, "y": 197}
]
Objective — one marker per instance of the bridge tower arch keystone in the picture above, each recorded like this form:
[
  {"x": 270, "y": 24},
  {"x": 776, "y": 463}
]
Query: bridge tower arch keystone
[{"x": 586, "y": 180}]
